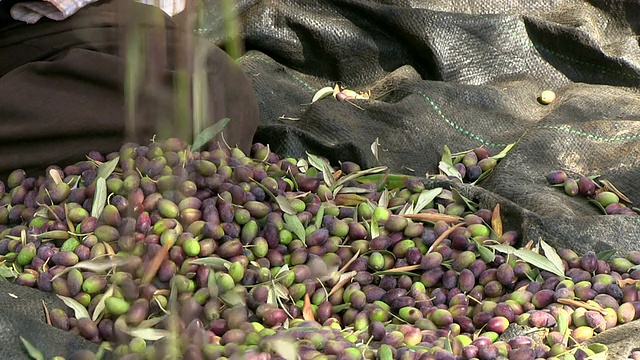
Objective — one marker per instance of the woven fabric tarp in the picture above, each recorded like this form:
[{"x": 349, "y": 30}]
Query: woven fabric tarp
[{"x": 461, "y": 73}]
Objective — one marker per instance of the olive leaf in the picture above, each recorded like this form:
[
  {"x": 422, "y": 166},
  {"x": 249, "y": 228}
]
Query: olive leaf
[
  {"x": 449, "y": 170},
  {"x": 551, "y": 254},
  {"x": 96, "y": 265},
  {"x": 457, "y": 197},
  {"x": 496, "y": 220},
  {"x": 446, "y": 155},
  {"x": 375, "y": 149},
  {"x": 609, "y": 186},
  {"x": 539, "y": 261},
  {"x": 361, "y": 173},
  {"x": 55, "y": 176},
  {"x": 389, "y": 181},
  {"x": 100, "y": 198},
  {"x": 303, "y": 165},
  {"x": 285, "y": 205},
  {"x": 383, "y": 202},
  {"x": 149, "y": 323},
  {"x": 209, "y": 134},
  {"x": 322, "y": 93},
  {"x": 101, "y": 304},
  {"x": 353, "y": 190},
  {"x": 106, "y": 169},
  {"x": 319, "y": 216},
  {"x": 34, "y": 353},
  {"x": 232, "y": 298},
  {"x": 324, "y": 166},
  {"x": 426, "y": 197},
  {"x": 598, "y": 205},
  {"x": 600, "y": 350},
  {"x": 504, "y": 151},
  {"x": 374, "y": 230},
  {"x": 483, "y": 176},
  {"x": 147, "y": 333},
  {"x": 7, "y": 272},
  {"x": 293, "y": 224},
  {"x": 79, "y": 310},
  {"x": 215, "y": 262},
  {"x": 286, "y": 349},
  {"x": 606, "y": 255},
  {"x": 486, "y": 254}
]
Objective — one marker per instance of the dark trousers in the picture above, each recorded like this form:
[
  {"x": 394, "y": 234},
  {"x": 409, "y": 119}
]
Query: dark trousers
[{"x": 62, "y": 85}]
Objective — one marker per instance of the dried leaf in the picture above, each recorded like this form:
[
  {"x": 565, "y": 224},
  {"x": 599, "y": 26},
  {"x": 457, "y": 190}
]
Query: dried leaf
[
  {"x": 582, "y": 304},
  {"x": 443, "y": 236},
  {"x": 336, "y": 175},
  {"x": 96, "y": 265},
  {"x": 209, "y": 134},
  {"x": 344, "y": 278},
  {"x": 34, "y": 353},
  {"x": 496, "y": 220},
  {"x": 148, "y": 333},
  {"x": 55, "y": 176},
  {"x": 284, "y": 205},
  {"x": 100, "y": 306},
  {"x": 46, "y": 313},
  {"x": 79, "y": 310},
  {"x": 400, "y": 270},
  {"x": 106, "y": 169},
  {"x": 307, "y": 312},
  {"x": 99, "y": 198},
  {"x": 346, "y": 265},
  {"x": 293, "y": 224},
  {"x": 609, "y": 186},
  {"x": 433, "y": 217},
  {"x": 504, "y": 151},
  {"x": 322, "y": 93},
  {"x": 551, "y": 254},
  {"x": 214, "y": 262},
  {"x": 623, "y": 282},
  {"x": 449, "y": 170}
]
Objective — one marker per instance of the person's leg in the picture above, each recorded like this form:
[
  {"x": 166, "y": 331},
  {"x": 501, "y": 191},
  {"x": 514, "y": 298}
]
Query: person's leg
[{"x": 62, "y": 87}]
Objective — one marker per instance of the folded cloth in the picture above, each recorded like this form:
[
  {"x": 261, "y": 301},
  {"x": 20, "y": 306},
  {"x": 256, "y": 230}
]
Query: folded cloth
[
  {"x": 62, "y": 86},
  {"x": 32, "y": 11}
]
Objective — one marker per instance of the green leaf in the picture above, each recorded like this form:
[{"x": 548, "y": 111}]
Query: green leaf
[
  {"x": 96, "y": 265},
  {"x": 486, "y": 254},
  {"x": 504, "y": 151},
  {"x": 232, "y": 298},
  {"x": 285, "y": 206},
  {"x": 447, "y": 344},
  {"x": 446, "y": 155},
  {"x": 293, "y": 224},
  {"x": 282, "y": 269},
  {"x": 34, "y": 353},
  {"x": 606, "y": 255},
  {"x": 361, "y": 173},
  {"x": 215, "y": 262},
  {"x": 449, "y": 170},
  {"x": 100, "y": 198},
  {"x": 286, "y": 349},
  {"x": 598, "y": 205},
  {"x": 374, "y": 229},
  {"x": 383, "y": 202},
  {"x": 354, "y": 190},
  {"x": 7, "y": 272},
  {"x": 148, "y": 334},
  {"x": 106, "y": 169},
  {"x": 425, "y": 197},
  {"x": 551, "y": 254},
  {"x": 319, "y": 216},
  {"x": 394, "y": 273},
  {"x": 483, "y": 176},
  {"x": 457, "y": 197},
  {"x": 322, "y": 93},
  {"x": 209, "y": 134},
  {"x": 538, "y": 260},
  {"x": 324, "y": 166},
  {"x": 503, "y": 248},
  {"x": 79, "y": 310},
  {"x": 101, "y": 304},
  {"x": 272, "y": 297},
  {"x": 391, "y": 181}
]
